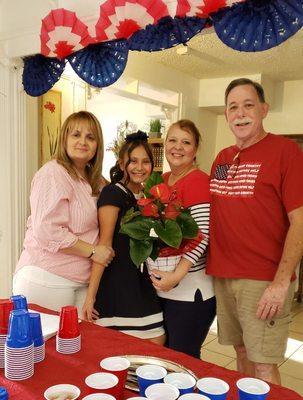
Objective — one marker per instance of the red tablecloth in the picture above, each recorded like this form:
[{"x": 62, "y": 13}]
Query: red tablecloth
[{"x": 98, "y": 343}]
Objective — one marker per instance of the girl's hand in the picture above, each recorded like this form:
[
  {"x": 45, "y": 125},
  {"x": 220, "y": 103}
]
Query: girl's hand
[
  {"x": 89, "y": 313},
  {"x": 103, "y": 255},
  {"x": 164, "y": 281}
]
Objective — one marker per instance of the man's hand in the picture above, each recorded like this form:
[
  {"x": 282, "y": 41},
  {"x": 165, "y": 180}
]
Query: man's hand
[
  {"x": 272, "y": 300},
  {"x": 162, "y": 280}
]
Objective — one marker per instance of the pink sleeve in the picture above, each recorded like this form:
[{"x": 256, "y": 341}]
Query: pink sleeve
[{"x": 50, "y": 212}]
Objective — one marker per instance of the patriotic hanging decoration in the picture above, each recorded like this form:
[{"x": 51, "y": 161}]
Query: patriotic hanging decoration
[{"x": 98, "y": 54}]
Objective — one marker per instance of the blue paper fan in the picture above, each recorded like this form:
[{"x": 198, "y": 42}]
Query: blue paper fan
[
  {"x": 41, "y": 73},
  {"x": 168, "y": 32},
  {"x": 100, "y": 64},
  {"x": 258, "y": 25}
]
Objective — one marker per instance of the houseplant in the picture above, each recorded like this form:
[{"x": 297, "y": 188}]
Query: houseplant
[
  {"x": 155, "y": 128},
  {"x": 161, "y": 226}
]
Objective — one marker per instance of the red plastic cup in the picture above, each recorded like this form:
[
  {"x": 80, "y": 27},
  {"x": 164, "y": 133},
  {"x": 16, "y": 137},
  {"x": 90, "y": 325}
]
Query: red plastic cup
[
  {"x": 102, "y": 382},
  {"x": 69, "y": 325},
  {"x": 6, "y": 306},
  {"x": 119, "y": 367}
]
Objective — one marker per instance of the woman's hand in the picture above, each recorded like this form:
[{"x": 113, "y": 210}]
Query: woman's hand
[
  {"x": 89, "y": 313},
  {"x": 164, "y": 281},
  {"x": 103, "y": 255}
]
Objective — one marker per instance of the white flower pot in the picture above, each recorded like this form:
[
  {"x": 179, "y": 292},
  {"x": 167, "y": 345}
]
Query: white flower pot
[{"x": 166, "y": 264}]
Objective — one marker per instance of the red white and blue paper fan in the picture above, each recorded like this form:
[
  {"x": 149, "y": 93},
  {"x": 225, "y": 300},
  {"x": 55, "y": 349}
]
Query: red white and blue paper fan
[
  {"x": 151, "y": 25},
  {"x": 121, "y": 18},
  {"x": 40, "y": 73},
  {"x": 258, "y": 25},
  {"x": 201, "y": 8},
  {"x": 100, "y": 64},
  {"x": 62, "y": 33},
  {"x": 168, "y": 32}
]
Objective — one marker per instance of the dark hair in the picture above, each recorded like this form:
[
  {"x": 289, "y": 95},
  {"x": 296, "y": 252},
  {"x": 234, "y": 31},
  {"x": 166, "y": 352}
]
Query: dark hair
[
  {"x": 132, "y": 141},
  {"x": 245, "y": 81},
  {"x": 189, "y": 127}
]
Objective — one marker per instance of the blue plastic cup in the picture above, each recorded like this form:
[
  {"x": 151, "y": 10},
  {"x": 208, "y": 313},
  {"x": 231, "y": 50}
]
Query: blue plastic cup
[
  {"x": 213, "y": 388},
  {"x": 182, "y": 381},
  {"x": 3, "y": 393},
  {"x": 20, "y": 302},
  {"x": 252, "y": 389},
  {"x": 19, "y": 331},
  {"x": 36, "y": 329},
  {"x": 149, "y": 375}
]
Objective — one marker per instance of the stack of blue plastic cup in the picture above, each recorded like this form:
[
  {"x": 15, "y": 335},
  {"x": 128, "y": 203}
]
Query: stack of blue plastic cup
[
  {"x": 20, "y": 302},
  {"x": 36, "y": 330},
  {"x": 3, "y": 393},
  {"x": 19, "y": 347}
]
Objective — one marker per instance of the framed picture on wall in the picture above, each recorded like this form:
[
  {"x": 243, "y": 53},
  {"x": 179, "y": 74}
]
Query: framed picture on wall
[{"x": 50, "y": 124}]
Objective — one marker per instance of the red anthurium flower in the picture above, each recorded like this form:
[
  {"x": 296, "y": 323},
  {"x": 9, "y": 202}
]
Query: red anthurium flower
[
  {"x": 172, "y": 210},
  {"x": 161, "y": 192},
  {"x": 150, "y": 210},
  {"x": 144, "y": 201}
]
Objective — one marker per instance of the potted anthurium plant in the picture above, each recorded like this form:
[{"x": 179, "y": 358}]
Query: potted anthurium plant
[{"x": 160, "y": 226}]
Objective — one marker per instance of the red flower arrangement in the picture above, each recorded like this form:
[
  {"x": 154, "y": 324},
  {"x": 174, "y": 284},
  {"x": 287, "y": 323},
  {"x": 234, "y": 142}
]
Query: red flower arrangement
[{"x": 162, "y": 227}]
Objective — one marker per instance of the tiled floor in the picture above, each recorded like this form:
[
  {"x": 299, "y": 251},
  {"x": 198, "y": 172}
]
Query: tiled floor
[{"x": 291, "y": 369}]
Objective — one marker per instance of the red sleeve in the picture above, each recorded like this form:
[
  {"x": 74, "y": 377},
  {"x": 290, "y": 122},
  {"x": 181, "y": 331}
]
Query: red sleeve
[
  {"x": 292, "y": 177},
  {"x": 195, "y": 189}
]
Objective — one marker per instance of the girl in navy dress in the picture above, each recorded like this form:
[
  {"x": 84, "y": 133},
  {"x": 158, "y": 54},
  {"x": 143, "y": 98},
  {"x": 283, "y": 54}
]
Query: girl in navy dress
[{"x": 121, "y": 296}]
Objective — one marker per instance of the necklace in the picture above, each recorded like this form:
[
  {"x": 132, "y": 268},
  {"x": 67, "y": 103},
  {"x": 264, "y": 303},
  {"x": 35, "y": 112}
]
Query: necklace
[{"x": 173, "y": 178}]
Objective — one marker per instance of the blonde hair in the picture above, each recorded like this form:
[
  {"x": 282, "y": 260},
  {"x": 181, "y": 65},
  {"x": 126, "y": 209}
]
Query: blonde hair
[{"x": 94, "y": 167}]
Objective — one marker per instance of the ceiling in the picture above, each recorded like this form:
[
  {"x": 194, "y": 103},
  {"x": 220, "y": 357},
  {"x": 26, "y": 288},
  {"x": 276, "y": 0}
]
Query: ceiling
[{"x": 213, "y": 59}]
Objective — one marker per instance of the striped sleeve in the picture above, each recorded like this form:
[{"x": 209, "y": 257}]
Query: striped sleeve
[{"x": 200, "y": 213}]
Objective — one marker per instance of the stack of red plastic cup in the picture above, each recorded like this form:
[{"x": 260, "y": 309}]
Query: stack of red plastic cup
[
  {"x": 6, "y": 306},
  {"x": 19, "y": 347},
  {"x": 68, "y": 340}
]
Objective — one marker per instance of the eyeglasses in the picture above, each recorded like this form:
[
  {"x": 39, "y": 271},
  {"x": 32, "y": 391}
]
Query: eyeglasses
[{"x": 235, "y": 165}]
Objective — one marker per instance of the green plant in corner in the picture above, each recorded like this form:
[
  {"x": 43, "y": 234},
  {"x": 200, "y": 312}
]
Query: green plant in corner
[{"x": 155, "y": 125}]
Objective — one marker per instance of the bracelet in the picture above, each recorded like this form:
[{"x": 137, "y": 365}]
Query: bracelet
[{"x": 92, "y": 253}]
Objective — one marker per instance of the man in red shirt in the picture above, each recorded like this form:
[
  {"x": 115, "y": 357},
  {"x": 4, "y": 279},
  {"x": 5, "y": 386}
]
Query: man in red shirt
[{"x": 256, "y": 231}]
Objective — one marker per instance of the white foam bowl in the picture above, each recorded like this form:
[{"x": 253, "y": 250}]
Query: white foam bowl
[
  {"x": 115, "y": 363},
  {"x": 180, "y": 379},
  {"x": 253, "y": 386},
  {"x": 61, "y": 388},
  {"x": 101, "y": 380},
  {"x": 160, "y": 391},
  {"x": 99, "y": 396}
]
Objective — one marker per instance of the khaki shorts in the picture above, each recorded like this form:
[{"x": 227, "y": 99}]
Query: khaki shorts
[{"x": 237, "y": 299}]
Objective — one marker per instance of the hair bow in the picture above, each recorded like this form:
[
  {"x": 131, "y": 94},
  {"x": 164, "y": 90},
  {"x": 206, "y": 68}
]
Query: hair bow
[{"x": 136, "y": 136}]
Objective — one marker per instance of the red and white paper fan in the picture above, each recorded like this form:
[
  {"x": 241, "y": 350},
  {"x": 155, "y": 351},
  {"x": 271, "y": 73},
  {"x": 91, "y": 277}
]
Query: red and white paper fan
[
  {"x": 119, "y": 19},
  {"x": 62, "y": 33},
  {"x": 201, "y": 8}
]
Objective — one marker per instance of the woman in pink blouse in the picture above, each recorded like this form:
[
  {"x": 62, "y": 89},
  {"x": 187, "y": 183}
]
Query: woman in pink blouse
[{"x": 62, "y": 230}]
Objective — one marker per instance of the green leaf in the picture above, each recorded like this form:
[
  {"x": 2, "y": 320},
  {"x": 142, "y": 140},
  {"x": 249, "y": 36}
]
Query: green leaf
[
  {"x": 154, "y": 179},
  {"x": 169, "y": 232},
  {"x": 188, "y": 225},
  {"x": 138, "y": 228},
  {"x": 140, "y": 250},
  {"x": 155, "y": 252},
  {"x": 129, "y": 215}
]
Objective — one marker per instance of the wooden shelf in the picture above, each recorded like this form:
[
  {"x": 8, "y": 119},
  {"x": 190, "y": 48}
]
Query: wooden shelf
[
  {"x": 156, "y": 145},
  {"x": 155, "y": 141},
  {"x": 158, "y": 169}
]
